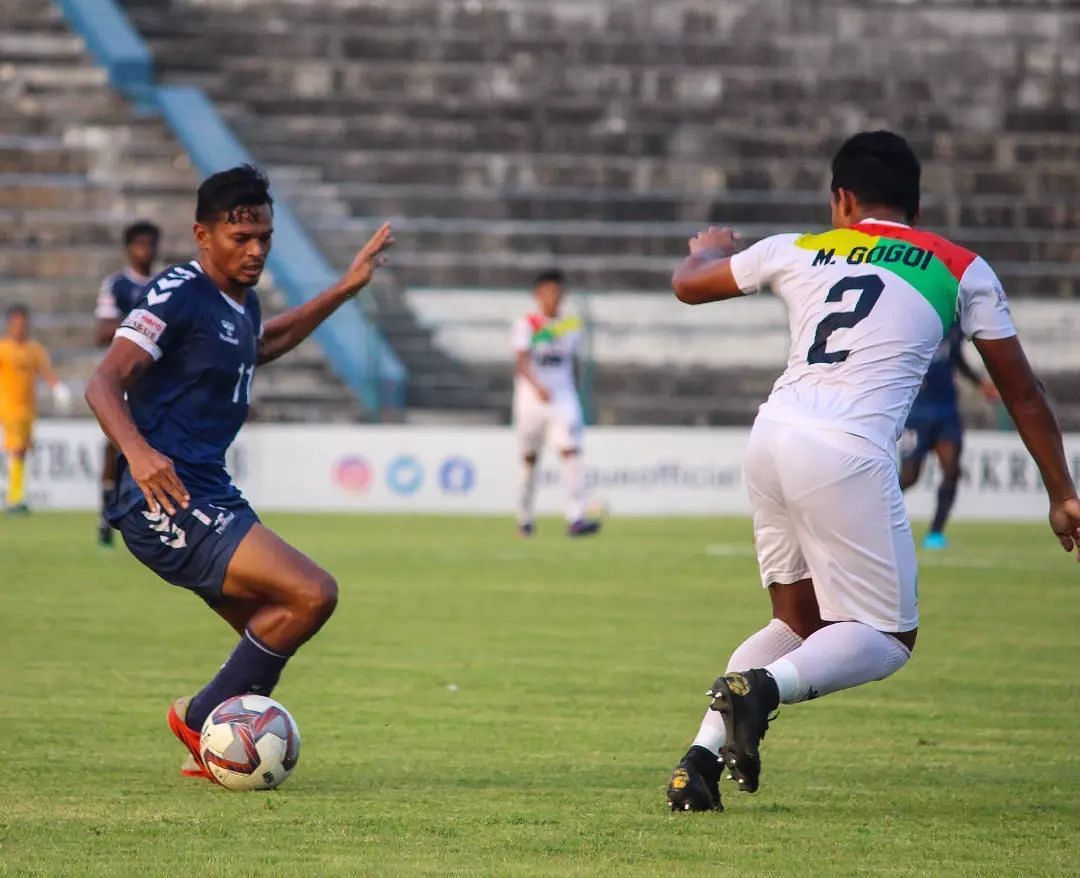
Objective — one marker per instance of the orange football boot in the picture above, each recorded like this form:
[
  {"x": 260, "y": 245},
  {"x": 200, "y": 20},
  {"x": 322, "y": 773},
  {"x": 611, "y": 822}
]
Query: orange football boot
[{"x": 193, "y": 765}]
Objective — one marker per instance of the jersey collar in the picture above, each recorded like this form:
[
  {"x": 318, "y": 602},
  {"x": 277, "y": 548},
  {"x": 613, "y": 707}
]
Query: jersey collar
[
  {"x": 236, "y": 306},
  {"x": 878, "y": 222}
]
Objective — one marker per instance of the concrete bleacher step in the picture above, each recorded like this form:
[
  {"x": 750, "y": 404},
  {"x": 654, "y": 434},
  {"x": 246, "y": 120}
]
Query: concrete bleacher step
[
  {"x": 76, "y": 164},
  {"x": 621, "y": 171},
  {"x": 39, "y": 155},
  {"x": 498, "y": 130},
  {"x": 53, "y": 47},
  {"x": 783, "y": 209},
  {"x": 600, "y": 238},
  {"x": 452, "y": 269}
]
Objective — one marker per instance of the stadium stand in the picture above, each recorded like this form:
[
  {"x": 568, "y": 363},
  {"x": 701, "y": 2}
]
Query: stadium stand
[
  {"x": 504, "y": 136},
  {"x": 77, "y": 163},
  {"x": 509, "y": 135}
]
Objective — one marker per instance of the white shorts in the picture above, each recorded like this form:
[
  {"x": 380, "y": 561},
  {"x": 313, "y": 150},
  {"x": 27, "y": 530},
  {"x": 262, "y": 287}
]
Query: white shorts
[
  {"x": 827, "y": 505},
  {"x": 559, "y": 421}
]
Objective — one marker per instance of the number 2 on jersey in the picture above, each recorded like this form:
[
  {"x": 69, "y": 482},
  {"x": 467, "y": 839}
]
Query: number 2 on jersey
[
  {"x": 250, "y": 372},
  {"x": 869, "y": 287}
]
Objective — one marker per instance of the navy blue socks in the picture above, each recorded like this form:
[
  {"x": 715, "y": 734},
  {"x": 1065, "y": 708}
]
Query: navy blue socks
[{"x": 252, "y": 668}]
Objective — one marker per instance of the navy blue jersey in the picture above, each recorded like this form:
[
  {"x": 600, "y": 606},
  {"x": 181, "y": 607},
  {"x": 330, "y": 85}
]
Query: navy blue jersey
[
  {"x": 119, "y": 293},
  {"x": 192, "y": 401},
  {"x": 938, "y": 394}
]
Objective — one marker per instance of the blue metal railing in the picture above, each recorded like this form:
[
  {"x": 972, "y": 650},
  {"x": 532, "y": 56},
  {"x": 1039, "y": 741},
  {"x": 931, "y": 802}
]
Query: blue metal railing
[
  {"x": 115, "y": 45},
  {"x": 355, "y": 348}
]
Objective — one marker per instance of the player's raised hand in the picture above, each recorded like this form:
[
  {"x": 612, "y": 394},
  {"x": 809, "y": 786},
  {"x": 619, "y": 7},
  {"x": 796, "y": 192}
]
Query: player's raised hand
[
  {"x": 1065, "y": 522},
  {"x": 156, "y": 477},
  {"x": 371, "y": 256},
  {"x": 724, "y": 241}
]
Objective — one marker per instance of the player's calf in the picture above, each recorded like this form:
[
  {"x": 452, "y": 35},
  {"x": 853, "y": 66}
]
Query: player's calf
[
  {"x": 252, "y": 667},
  {"x": 839, "y": 656}
]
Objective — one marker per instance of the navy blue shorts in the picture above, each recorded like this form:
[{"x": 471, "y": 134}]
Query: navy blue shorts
[
  {"x": 193, "y": 548},
  {"x": 924, "y": 433}
]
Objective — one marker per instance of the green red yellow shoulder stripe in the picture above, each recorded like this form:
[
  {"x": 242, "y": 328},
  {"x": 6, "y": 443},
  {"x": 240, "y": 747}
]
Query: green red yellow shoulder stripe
[
  {"x": 954, "y": 257},
  {"x": 930, "y": 263},
  {"x": 543, "y": 330}
]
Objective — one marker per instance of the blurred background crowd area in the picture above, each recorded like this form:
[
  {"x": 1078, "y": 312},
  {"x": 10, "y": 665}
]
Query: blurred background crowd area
[{"x": 503, "y": 137}]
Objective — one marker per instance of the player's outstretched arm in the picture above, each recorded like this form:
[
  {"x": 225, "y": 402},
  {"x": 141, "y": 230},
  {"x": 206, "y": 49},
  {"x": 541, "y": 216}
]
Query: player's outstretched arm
[
  {"x": 287, "y": 330},
  {"x": 705, "y": 275},
  {"x": 123, "y": 365},
  {"x": 1025, "y": 398}
]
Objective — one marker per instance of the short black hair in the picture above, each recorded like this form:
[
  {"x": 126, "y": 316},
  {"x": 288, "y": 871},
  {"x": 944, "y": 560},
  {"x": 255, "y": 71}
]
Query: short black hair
[
  {"x": 140, "y": 228},
  {"x": 549, "y": 276},
  {"x": 879, "y": 168},
  {"x": 17, "y": 309},
  {"x": 223, "y": 192}
]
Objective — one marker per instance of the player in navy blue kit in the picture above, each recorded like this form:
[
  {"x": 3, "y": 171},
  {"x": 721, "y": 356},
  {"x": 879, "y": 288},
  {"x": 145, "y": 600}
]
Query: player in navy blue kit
[
  {"x": 185, "y": 357},
  {"x": 118, "y": 294},
  {"x": 934, "y": 425}
]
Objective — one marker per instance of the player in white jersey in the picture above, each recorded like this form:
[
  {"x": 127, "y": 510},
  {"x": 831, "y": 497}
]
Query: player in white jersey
[
  {"x": 868, "y": 304},
  {"x": 546, "y": 403}
]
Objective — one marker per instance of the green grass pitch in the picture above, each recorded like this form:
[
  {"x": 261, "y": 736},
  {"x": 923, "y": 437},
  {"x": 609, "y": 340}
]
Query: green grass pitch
[{"x": 481, "y": 705}]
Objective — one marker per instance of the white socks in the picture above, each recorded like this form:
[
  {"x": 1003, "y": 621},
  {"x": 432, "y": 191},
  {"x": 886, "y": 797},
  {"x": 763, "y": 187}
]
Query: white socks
[
  {"x": 758, "y": 650},
  {"x": 836, "y": 657},
  {"x": 574, "y": 484},
  {"x": 527, "y": 492},
  {"x": 773, "y": 641}
]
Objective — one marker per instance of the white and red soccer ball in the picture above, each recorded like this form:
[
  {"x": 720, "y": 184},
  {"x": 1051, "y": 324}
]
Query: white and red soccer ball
[{"x": 250, "y": 742}]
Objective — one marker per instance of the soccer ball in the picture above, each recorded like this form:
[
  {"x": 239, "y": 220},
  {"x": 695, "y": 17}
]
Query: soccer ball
[{"x": 250, "y": 743}]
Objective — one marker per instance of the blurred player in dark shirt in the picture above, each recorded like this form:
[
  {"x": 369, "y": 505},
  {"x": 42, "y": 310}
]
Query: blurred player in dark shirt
[
  {"x": 172, "y": 393},
  {"x": 118, "y": 294},
  {"x": 934, "y": 425}
]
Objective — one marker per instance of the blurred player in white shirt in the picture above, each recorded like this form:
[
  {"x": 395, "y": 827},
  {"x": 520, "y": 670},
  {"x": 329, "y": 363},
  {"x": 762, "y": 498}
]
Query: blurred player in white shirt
[
  {"x": 868, "y": 302},
  {"x": 546, "y": 403}
]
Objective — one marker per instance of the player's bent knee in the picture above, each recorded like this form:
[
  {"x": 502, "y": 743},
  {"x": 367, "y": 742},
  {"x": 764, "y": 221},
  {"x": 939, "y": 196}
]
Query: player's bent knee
[
  {"x": 795, "y": 604},
  {"x": 803, "y": 624},
  {"x": 319, "y": 597}
]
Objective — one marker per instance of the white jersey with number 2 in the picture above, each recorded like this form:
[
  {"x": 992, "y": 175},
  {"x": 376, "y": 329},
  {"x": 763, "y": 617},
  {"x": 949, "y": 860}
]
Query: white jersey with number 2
[{"x": 867, "y": 307}]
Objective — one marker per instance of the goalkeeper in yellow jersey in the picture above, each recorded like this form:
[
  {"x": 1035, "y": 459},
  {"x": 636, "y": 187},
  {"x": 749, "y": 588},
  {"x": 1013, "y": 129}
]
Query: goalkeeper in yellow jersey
[{"x": 22, "y": 362}]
